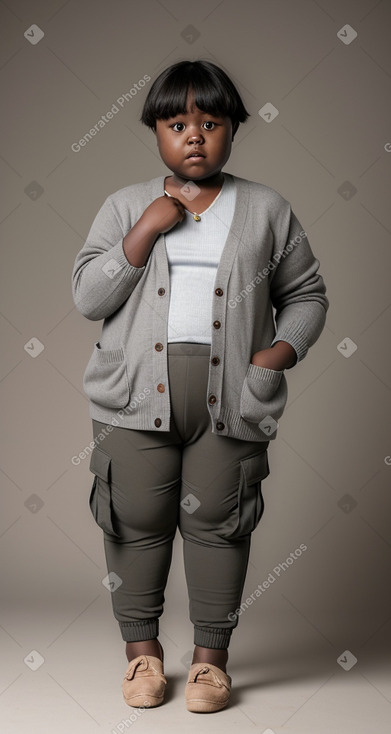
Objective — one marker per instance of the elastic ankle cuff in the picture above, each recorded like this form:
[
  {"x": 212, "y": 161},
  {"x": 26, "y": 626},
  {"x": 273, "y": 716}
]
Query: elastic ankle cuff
[
  {"x": 146, "y": 629},
  {"x": 216, "y": 637}
]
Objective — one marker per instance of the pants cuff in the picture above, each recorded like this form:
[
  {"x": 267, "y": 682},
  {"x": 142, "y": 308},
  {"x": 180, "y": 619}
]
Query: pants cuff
[
  {"x": 216, "y": 637},
  {"x": 146, "y": 629}
]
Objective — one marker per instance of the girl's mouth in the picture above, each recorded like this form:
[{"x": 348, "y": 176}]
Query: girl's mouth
[{"x": 195, "y": 155}]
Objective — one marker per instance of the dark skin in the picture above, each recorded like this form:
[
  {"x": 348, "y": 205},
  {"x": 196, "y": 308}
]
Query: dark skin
[{"x": 176, "y": 138}]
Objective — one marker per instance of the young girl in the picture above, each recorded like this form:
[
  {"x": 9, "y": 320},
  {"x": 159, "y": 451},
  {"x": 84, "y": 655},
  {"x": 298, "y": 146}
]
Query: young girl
[{"x": 188, "y": 379}]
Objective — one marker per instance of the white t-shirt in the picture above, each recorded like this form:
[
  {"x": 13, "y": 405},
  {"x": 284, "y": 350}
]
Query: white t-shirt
[{"x": 193, "y": 251}]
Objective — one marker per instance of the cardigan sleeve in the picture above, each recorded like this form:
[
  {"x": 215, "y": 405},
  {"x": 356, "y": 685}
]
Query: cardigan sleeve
[
  {"x": 297, "y": 291},
  {"x": 102, "y": 277}
]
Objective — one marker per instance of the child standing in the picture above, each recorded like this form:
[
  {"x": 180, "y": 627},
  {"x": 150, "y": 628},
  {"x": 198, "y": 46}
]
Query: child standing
[{"x": 187, "y": 381}]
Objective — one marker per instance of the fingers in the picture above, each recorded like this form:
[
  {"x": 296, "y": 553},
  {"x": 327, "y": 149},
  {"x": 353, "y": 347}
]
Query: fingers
[{"x": 179, "y": 206}]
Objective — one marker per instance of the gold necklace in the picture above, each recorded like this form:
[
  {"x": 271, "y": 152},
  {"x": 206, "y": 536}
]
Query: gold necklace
[{"x": 196, "y": 216}]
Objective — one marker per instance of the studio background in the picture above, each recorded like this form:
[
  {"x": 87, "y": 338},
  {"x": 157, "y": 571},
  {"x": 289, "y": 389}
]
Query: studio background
[{"x": 325, "y": 67}]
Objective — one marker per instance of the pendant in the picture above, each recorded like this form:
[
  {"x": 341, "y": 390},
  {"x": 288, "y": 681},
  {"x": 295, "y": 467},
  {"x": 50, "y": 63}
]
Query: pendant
[{"x": 196, "y": 218}]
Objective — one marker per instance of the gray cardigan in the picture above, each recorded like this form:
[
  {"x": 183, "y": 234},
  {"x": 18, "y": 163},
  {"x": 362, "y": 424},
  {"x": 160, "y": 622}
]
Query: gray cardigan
[{"x": 267, "y": 263}]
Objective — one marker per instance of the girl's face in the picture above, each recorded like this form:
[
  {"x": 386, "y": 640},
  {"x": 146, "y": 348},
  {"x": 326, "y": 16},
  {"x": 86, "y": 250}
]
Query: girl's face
[{"x": 182, "y": 136}]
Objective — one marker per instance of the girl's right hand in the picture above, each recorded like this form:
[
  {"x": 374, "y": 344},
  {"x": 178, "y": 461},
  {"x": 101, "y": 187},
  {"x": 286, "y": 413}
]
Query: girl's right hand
[
  {"x": 160, "y": 216},
  {"x": 163, "y": 214}
]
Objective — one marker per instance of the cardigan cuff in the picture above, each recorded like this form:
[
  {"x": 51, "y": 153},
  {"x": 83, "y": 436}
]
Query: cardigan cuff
[
  {"x": 295, "y": 334},
  {"x": 117, "y": 253}
]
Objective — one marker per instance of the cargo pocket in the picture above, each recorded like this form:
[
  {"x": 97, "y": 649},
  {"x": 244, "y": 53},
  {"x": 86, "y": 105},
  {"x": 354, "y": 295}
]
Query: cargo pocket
[
  {"x": 248, "y": 510},
  {"x": 100, "y": 497},
  {"x": 105, "y": 379}
]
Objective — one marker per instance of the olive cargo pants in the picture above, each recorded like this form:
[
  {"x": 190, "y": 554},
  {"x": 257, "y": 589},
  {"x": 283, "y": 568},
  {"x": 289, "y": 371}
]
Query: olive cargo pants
[{"x": 148, "y": 483}]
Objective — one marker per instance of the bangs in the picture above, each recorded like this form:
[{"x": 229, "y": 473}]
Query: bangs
[
  {"x": 172, "y": 101},
  {"x": 213, "y": 93}
]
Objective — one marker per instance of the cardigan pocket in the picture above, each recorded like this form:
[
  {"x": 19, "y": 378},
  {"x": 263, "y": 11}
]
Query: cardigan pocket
[
  {"x": 100, "y": 500},
  {"x": 105, "y": 379},
  {"x": 264, "y": 394}
]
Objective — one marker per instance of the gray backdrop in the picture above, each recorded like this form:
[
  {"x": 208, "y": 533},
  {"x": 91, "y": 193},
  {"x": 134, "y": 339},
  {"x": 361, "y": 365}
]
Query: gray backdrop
[{"x": 325, "y": 66}]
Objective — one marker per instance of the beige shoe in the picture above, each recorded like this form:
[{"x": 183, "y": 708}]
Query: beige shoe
[
  {"x": 144, "y": 682},
  {"x": 207, "y": 689}
]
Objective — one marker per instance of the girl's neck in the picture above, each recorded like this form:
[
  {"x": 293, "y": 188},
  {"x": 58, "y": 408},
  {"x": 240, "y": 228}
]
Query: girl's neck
[{"x": 205, "y": 184}]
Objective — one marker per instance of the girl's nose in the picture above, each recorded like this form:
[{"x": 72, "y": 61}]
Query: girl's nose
[{"x": 197, "y": 138}]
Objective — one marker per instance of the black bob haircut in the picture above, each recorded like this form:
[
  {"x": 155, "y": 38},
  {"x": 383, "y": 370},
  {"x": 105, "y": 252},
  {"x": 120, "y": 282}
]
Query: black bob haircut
[{"x": 214, "y": 92}]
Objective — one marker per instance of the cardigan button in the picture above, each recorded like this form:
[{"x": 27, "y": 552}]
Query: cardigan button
[
  {"x": 161, "y": 291},
  {"x": 215, "y": 360},
  {"x": 220, "y": 426},
  {"x": 212, "y": 399},
  {"x": 157, "y": 422},
  {"x": 161, "y": 387},
  {"x": 218, "y": 292},
  {"x": 159, "y": 346},
  {"x": 216, "y": 324}
]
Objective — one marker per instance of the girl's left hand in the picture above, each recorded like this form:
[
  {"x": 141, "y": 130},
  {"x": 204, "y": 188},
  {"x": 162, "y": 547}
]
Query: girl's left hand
[{"x": 279, "y": 357}]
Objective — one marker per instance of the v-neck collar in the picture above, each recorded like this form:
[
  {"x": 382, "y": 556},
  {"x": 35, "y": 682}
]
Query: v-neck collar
[
  {"x": 235, "y": 231},
  {"x": 201, "y": 214}
]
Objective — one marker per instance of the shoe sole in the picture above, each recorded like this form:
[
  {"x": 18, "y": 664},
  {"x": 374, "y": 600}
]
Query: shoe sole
[
  {"x": 144, "y": 701},
  {"x": 200, "y": 705}
]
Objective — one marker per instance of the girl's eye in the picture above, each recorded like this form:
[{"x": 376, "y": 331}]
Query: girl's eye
[{"x": 210, "y": 126}]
